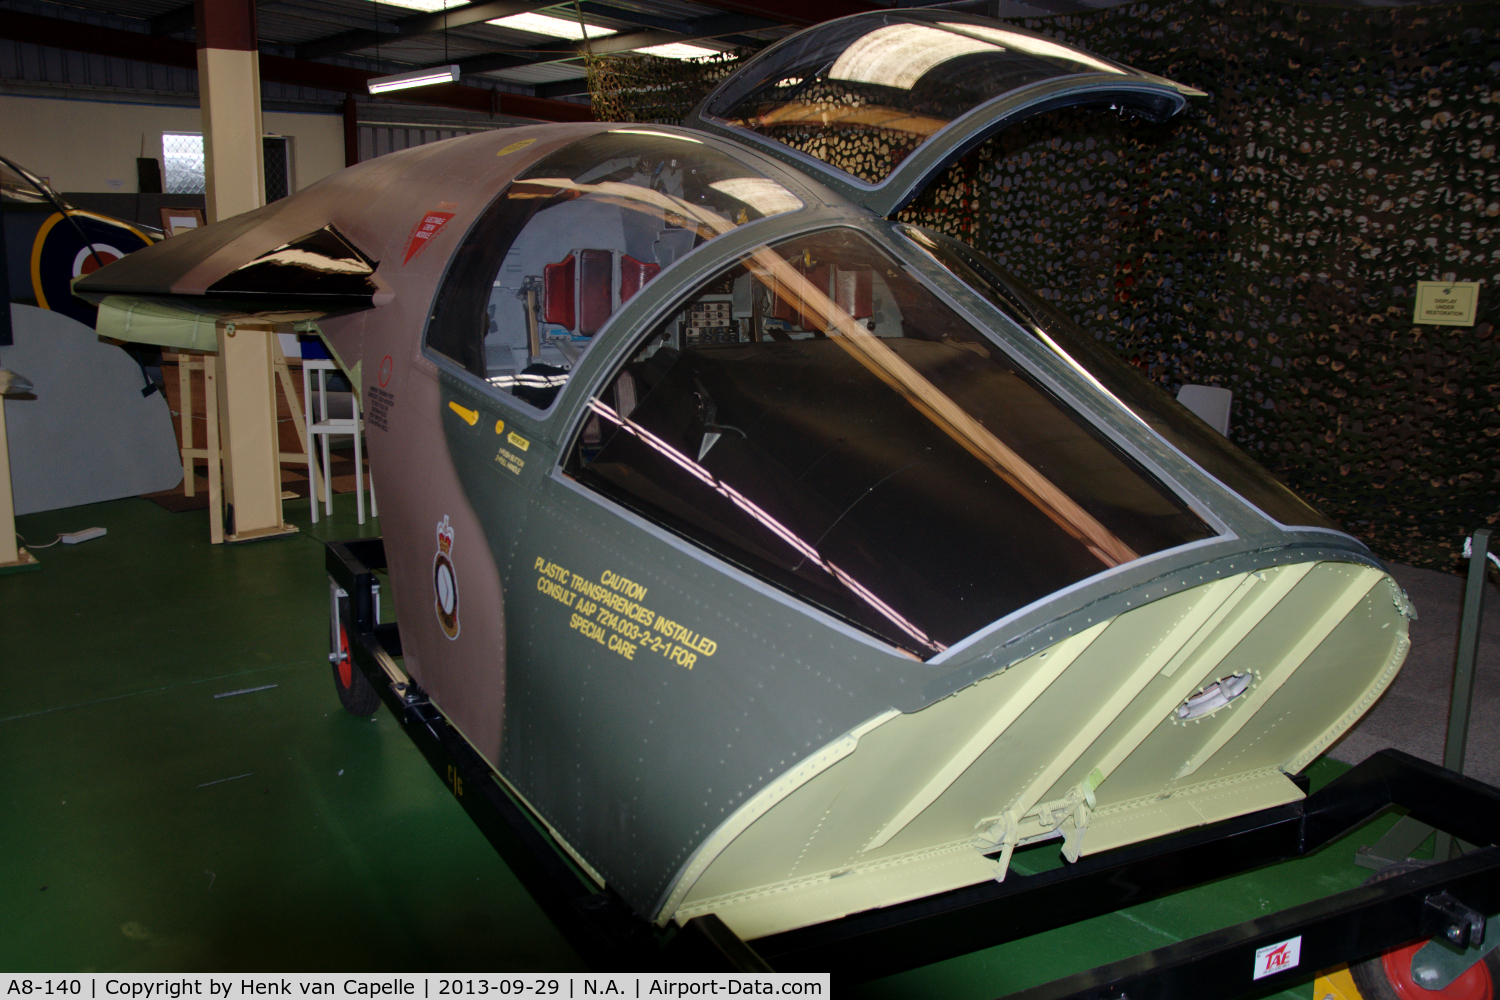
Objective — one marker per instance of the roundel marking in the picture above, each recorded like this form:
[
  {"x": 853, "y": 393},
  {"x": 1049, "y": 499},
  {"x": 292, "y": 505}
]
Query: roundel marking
[
  {"x": 59, "y": 254},
  {"x": 91, "y": 258}
]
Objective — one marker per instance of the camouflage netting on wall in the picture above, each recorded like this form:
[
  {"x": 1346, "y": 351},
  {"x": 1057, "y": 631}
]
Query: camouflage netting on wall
[
  {"x": 1268, "y": 239},
  {"x": 636, "y": 88}
]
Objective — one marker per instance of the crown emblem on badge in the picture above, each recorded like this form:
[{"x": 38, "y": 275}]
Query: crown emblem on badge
[{"x": 445, "y": 581}]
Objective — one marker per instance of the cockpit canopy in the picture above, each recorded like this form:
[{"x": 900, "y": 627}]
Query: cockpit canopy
[
  {"x": 877, "y": 104},
  {"x": 815, "y": 414}
]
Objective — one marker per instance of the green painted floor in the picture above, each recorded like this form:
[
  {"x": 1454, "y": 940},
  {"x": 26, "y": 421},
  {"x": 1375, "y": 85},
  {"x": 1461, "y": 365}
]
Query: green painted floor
[{"x": 147, "y": 826}]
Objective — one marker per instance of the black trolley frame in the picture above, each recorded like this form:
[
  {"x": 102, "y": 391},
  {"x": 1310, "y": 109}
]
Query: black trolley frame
[{"x": 1448, "y": 898}]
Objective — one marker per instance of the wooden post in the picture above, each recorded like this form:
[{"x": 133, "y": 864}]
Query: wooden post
[
  {"x": 293, "y": 404},
  {"x": 8, "y": 550},
  {"x": 229, "y": 88},
  {"x": 12, "y": 556},
  {"x": 211, "y": 435},
  {"x": 185, "y": 417}
]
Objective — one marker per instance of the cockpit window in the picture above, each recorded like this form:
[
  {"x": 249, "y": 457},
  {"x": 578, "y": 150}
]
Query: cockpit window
[
  {"x": 1214, "y": 453},
  {"x": 573, "y": 239},
  {"x": 817, "y": 416}
]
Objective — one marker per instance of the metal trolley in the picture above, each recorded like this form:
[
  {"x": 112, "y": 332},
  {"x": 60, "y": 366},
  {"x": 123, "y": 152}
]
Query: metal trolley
[{"x": 1447, "y": 900}]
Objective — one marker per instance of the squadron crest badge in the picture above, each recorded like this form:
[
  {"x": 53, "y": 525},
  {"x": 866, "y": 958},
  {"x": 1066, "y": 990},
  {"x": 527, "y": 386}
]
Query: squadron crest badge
[{"x": 445, "y": 581}]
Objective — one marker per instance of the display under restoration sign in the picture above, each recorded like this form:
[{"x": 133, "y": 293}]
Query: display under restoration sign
[{"x": 1447, "y": 303}]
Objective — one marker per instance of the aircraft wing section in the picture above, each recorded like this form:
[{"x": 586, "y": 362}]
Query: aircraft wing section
[{"x": 175, "y": 294}]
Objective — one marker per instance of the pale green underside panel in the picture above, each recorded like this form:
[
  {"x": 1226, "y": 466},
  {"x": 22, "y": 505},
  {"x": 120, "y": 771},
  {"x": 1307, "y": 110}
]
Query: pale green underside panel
[
  {"x": 147, "y": 322},
  {"x": 152, "y": 321},
  {"x": 1081, "y": 741}
]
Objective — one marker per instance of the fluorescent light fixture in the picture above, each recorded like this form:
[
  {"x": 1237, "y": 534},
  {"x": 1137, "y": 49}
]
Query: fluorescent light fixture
[
  {"x": 430, "y": 5},
  {"x": 416, "y": 78},
  {"x": 678, "y": 50},
  {"x": 553, "y": 27}
]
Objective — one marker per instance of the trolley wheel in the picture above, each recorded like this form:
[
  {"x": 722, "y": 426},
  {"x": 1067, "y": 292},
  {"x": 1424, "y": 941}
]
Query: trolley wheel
[
  {"x": 1387, "y": 976},
  {"x": 356, "y": 693}
]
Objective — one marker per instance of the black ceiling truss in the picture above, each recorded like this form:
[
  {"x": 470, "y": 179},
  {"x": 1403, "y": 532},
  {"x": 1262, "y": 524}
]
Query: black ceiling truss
[
  {"x": 576, "y": 87},
  {"x": 180, "y": 19},
  {"x": 615, "y": 12},
  {"x": 173, "y": 21},
  {"x": 721, "y": 26},
  {"x": 650, "y": 29},
  {"x": 416, "y": 25}
]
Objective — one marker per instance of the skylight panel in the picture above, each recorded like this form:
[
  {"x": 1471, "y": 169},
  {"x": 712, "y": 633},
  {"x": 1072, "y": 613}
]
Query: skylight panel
[
  {"x": 553, "y": 27},
  {"x": 678, "y": 50}
]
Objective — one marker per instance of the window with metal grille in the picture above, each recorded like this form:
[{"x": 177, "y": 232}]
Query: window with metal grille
[
  {"x": 182, "y": 154},
  {"x": 278, "y": 157}
]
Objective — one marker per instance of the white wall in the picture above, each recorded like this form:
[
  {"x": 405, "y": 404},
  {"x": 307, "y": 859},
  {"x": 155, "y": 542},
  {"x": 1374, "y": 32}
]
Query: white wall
[{"x": 93, "y": 145}]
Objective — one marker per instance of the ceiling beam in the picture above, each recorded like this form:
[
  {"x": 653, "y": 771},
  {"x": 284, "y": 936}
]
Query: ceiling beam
[
  {"x": 563, "y": 88},
  {"x": 682, "y": 26},
  {"x": 799, "y": 12},
  {"x": 635, "y": 17},
  {"x": 76, "y": 36},
  {"x": 458, "y": 17},
  {"x": 181, "y": 18},
  {"x": 173, "y": 21},
  {"x": 625, "y": 41},
  {"x": 727, "y": 27},
  {"x": 419, "y": 24}
]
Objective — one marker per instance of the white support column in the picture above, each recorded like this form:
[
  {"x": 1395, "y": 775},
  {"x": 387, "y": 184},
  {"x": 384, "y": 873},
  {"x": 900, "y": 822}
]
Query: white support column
[{"x": 229, "y": 93}]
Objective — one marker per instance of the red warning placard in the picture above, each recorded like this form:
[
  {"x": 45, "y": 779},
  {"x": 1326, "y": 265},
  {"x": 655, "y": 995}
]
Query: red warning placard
[{"x": 425, "y": 230}]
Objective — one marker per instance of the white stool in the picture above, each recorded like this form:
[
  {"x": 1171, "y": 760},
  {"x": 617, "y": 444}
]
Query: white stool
[{"x": 325, "y": 427}]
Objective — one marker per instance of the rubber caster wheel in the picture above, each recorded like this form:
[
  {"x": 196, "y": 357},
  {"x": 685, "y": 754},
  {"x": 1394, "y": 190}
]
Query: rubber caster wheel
[
  {"x": 356, "y": 693},
  {"x": 1388, "y": 976}
]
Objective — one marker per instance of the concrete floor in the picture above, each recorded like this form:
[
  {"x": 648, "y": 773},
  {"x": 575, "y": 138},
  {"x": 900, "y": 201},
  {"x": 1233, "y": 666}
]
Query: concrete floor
[
  {"x": 1412, "y": 715},
  {"x": 149, "y": 826}
]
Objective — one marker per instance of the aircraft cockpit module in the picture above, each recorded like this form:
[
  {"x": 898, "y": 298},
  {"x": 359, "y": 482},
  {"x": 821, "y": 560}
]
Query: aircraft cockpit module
[{"x": 785, "y": 560}]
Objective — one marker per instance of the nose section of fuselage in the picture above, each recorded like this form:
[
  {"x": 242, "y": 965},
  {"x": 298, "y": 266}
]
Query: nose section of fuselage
[{"x": 1182, "y": 711}]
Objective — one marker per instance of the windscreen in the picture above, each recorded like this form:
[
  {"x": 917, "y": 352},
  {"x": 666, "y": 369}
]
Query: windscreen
[
  {"x": 573, "y": 239},
  {"x": 862, "y": 93},
  {"x": 817, "y": 416},
  {"x": 1213, "y": 452},
  {"x": 20, "y": 186}
]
